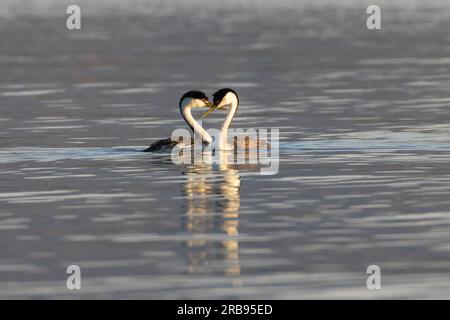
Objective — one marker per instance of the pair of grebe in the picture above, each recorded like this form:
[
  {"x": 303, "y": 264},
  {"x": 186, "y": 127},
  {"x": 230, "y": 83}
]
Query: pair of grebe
[{"x": 224, "y": 99}]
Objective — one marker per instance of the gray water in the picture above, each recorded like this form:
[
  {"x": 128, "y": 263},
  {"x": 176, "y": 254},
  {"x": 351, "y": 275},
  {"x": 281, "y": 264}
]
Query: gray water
[{"x": 364, "y": 174}]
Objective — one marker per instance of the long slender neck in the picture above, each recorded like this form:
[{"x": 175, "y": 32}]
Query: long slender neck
[
  {"x": 230, "y": 115},
  {"x": 195, "y": 126},
  {"x": 223, "y": 141}
]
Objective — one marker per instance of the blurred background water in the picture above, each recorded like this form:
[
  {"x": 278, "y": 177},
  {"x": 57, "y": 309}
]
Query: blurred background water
[{"x": 364, "y": 158}]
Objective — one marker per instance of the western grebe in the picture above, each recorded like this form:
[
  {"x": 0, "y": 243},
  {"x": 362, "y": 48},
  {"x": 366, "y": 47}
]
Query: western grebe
[
  {"x": 224, "y": 99},
  {"x": 189, "y": 100}
]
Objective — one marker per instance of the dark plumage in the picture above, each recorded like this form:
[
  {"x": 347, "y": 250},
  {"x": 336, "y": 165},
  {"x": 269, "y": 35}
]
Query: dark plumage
[
  {"x": 165, "y": 145},
  {"x": 194, "y": 94},
  {"x": 220, "y": 94}
]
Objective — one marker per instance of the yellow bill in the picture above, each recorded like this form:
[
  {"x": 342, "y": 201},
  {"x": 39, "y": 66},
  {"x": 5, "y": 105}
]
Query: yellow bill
[{"x": 205, "y": 114}]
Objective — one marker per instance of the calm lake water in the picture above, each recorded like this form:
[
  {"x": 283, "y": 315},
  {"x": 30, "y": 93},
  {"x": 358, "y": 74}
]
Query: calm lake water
[{"x": 364, "y": 174}]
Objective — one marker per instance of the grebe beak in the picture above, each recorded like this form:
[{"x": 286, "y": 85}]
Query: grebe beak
[
  {"x": 212, "y": 108},
  {"x": 207, "y": 112}
]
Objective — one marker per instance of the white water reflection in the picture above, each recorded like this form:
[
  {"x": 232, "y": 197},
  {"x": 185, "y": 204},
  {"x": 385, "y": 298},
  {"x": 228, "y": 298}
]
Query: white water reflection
[{"x": 212, "y": 195}]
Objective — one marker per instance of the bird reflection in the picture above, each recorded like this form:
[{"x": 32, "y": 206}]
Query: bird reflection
[{"x": 212, "y": 211}]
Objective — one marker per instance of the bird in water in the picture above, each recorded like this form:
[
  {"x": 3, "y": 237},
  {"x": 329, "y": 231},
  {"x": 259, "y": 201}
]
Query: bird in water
[
  {"x": 189, "y": 101},
  {"x": 227, "y": 99}
]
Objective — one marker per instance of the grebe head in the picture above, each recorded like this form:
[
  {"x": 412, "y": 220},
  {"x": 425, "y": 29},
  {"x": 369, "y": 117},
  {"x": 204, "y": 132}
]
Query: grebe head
[
  {"x": 195, "y": 99},
  {"x": 189, "y": 101},
  {"x": 222, "y": 99}
]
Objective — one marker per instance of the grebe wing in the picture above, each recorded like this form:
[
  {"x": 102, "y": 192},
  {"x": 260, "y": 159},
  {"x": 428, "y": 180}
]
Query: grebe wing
[{"x": 162, "y": 146}]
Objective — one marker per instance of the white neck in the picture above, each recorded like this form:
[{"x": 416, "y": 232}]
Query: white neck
[
  {"x": 223, "y": 140},
  {"x": 198, "y": 129}
]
